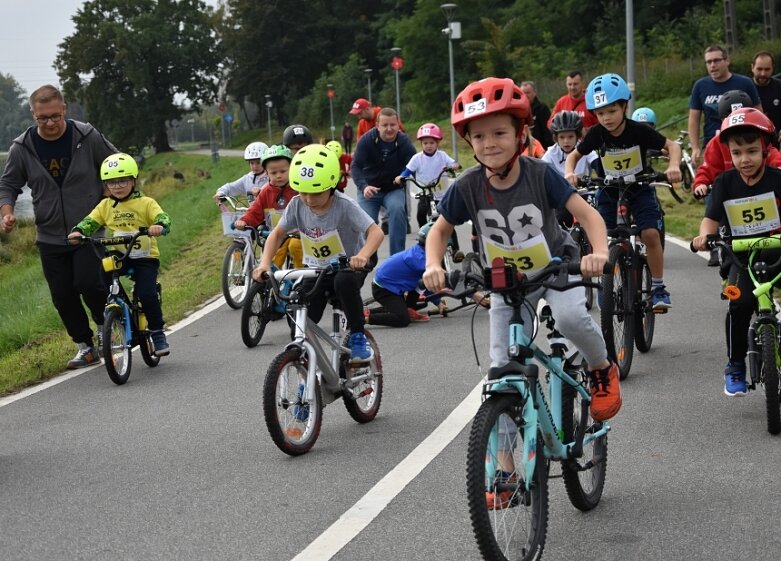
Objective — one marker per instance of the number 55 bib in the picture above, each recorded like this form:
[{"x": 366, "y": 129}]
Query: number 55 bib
[
  {"x": 320, "y": 251},
  {"x": 753, "y": 215}
]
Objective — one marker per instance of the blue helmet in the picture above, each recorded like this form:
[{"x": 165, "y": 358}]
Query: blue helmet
[
  {"x": 423, "y": 232},
  {"x": 606, "y": 89},
  {"x": 644, "y": 115}
]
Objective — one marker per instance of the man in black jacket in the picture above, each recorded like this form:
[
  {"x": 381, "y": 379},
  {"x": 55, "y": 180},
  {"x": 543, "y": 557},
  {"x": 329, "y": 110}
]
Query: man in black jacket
[
  {"x": 540, "y": 115},
  {"x": 380, "y": 155},
  {"x": 59, "y": 159}
]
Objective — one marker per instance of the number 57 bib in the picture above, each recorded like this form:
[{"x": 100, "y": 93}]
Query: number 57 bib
[
  {"x": 320, "y": 251},
  {"x": 753, "y": 215}
]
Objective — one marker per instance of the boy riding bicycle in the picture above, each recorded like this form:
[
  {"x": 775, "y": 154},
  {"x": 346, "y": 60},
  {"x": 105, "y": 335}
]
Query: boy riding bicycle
[
  {"x": 124, "y": 211},
  {"x": 747, "y": 197},
  {"x": 331, "y": 225},
  {"x": 622, "y": 144},
  {"x": 511, "y": 201}
]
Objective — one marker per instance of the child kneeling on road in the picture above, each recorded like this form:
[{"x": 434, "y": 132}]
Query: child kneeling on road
[
  {"x": 747, "y": 197},
  {"x": 124, "y": 212},
  {"x": 331, "y": 225}
]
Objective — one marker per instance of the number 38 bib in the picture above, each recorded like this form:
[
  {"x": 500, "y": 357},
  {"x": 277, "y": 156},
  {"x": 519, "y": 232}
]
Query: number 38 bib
[
  {"x": 753, "y": 215},
  {"x": 529, "y": 256},
  {"x": 320, "y": 251}
]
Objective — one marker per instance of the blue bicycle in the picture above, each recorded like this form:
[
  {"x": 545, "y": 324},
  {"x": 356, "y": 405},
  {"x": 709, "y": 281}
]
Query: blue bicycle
[{"x": 519, "y": 429}]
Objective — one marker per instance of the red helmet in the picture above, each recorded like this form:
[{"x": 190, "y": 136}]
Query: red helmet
[
  {"x": 747, "y": 118},
  {"x": 489, "y": 96},
  {"x": 429, "y": 130}
]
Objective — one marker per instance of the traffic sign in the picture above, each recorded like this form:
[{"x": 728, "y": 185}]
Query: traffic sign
[
  {"x": 222, "y": 107},
  {"x": 228, "y": 118},
  {"x": 330, "y": 93},
  {"x": 397, "y": 63}
]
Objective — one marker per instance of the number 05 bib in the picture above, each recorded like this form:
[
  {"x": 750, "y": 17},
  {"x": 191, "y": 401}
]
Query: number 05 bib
[
  {"x": 322, "y": 250},
  {"x": 142, "y": 247},
  {"x": 529, "y": 256},
  {"x": 753, "y": 215}
]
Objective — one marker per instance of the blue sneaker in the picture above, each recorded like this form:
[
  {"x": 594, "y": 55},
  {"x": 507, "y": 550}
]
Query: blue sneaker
[
  {"x": 660, "y": 299},
  {"x": 301, "y": 412},
  {"x": 281, "y": 306},
  {"x": 735, "y": 379},
  {"x": 360, "y": 349}
]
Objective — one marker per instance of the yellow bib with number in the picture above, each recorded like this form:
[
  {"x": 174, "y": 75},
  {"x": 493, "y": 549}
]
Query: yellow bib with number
[
  {"x": 620, "y": 163},
  {"x": 320, "y": 251},
  {"x": 529, "y": 256},
  {"x": 273, "y": 217},
  {"x": 141, "y": 248},
  {"x": 753, "y": 215}
]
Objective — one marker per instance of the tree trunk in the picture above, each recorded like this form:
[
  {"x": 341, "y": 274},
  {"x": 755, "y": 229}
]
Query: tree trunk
[{"x": 161, "y": 141}]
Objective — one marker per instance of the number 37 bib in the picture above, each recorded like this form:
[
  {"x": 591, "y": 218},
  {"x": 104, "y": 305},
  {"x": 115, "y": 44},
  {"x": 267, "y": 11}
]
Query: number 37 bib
[
  {"x": 320, "y": 251},
  {"x": 753, "y": 215}
]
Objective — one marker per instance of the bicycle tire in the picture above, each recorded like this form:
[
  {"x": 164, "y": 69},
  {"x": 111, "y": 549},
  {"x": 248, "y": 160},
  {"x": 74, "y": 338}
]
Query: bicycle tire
[
  {"x": 256, "y": 312},
  {"x": 293, "y": 426},
  {"x": 616, "y": 310},
  {"x": 116, "y": 348},
  {"x": 687, "y": 176},
  {"x": 364, "y": 407},
  {"x": 147, "y": 349},
  {"x": 769, "y": 376},
  {"x": 518, "y": 531},
  {"x": 644, "y": 316},
  {"x": 578, "y": 234},
  {"x": 234, "y": 282},
  {"x": 584, "y": 488}
]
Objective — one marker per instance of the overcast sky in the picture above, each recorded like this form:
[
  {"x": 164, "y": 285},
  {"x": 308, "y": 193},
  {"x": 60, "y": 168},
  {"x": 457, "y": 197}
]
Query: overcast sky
[{"x": 29, "y": 34}]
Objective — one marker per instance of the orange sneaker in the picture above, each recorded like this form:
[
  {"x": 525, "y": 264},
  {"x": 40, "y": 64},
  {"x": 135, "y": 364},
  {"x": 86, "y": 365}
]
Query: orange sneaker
[
  {"x": 506, "y": 498},
  {"x": 605, "y": 393},
  {"x": 415, "y": 315}
]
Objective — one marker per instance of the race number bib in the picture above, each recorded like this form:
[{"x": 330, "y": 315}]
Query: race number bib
[
  {"x": 621, "y": 163},
  {"x": 528, "y": 257},
  {"x": 273, "y": 217},
  {"x": 753, "y": 215},
  {"x": 142, "y": 246},
  {"x": 319, "y": 252}
]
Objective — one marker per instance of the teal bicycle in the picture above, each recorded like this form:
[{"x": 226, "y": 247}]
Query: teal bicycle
[
  {"x": 764, "y": 333},
  {"x": 518, "y": 430}
]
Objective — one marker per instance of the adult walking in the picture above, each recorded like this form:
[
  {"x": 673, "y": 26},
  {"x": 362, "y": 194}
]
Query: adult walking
[
  {"x": 347, "y": 137},
  {"x": 367, "y": 116},
  {"x": 574, "y": 100},
  {"x": 706, "y": 93},
  {"x": 762, "y": 68},
  {"x": 540, "y": 114},
  {"x": 380, "y": 155},
  {"x": 59, "y": 159}
]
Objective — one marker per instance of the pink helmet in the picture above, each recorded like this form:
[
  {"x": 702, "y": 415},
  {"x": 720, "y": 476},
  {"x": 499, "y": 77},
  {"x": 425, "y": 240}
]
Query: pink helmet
[{"x": 429, "y": 130}]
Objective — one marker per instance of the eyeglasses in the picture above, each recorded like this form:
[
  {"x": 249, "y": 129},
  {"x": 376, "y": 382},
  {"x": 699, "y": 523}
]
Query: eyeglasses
[
  {"x": 52, "y": 118},
  {"x": 119, "y": 183},
  {"x": 714, "y": 61}
]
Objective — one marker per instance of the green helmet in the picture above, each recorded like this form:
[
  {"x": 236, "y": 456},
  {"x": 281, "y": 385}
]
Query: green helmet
[
  {"x": 336, "y": 147},
  {"x": 118, "y": 166},
  {"x": 315, "y": 169},
  {"x": 274, "y": 153}
]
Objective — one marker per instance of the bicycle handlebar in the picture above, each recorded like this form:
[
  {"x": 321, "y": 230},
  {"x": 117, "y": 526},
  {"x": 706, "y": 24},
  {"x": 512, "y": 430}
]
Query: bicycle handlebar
[
  {"x": 275, "y": 277},
  {"x": 742, "y": 246},
  {"x": 431, "y": 185},
  {"x": 505, "y": 278}
]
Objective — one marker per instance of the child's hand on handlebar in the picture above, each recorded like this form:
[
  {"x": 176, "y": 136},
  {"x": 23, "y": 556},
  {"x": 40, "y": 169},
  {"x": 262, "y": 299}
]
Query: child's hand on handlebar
[
  {"x": 572, "y": 179},
  {"x": 74, "y": 238},
  {"x": 239, "y": 224},
  {"x": 155, "y": 230},
  {"x": 700, "y": 243},
  {"x": 397, "y": 180},
  {"x": 593, "y": 264},
  {"x": 358, "y": 262},
  {"x": 442, "y": 307},
  {"x": 701, "y": 190},
  {"x": 673, "y": 174},
  {"x": 259, "y": 273}
]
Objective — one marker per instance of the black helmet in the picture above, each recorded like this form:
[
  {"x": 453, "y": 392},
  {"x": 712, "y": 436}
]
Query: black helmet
[
  {"x": 566, "y": 121},
  {"x": 296, "y": 134},
  {"x": 732, "y": 101}
]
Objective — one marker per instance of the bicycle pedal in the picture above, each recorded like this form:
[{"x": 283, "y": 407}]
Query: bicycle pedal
[{"x": 660, "y": 311}]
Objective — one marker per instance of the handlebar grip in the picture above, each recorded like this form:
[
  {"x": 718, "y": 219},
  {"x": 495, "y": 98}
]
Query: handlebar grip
[{"x": 692, "y": 248}]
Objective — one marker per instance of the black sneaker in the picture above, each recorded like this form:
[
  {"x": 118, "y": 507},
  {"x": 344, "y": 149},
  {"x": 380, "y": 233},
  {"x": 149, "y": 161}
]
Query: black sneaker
[
  {"x": 85, "y": 356},
  {"x": 160, "y": 343}
]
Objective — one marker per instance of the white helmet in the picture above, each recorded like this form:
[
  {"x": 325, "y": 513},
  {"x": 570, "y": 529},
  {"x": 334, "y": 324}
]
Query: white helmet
[{"x": 255, "y": 150}]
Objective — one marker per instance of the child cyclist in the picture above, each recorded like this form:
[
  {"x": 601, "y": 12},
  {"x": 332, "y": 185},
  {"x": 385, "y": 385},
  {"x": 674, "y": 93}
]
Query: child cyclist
[
  {"x": 252, "y": 182},
  {"x": 645, "y": 115},
  {"x": 623, "y": 145},
  {"x": 296, "y": 137},
  {"x": 124, "y": 211},
  {"x": 331, "y": 225},
  {"x": 511, "y": 200},
  {"x": 268, "y": 208},
  {"x": 567, "y": 130},
  {"x": 746, "y": 196},
  {"x": 345, "y": 160}
]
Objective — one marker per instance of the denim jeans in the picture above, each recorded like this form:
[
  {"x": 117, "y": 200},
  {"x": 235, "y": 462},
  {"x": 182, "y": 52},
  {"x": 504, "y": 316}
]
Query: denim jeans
[{"x": 396, "y": 205}]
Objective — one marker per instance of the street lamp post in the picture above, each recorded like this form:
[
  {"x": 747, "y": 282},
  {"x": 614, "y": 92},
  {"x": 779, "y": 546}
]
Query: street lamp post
[
  {"x": 192, "y": 130},
  {"x": 397, "y": 63},
  {"x": 268, "y": 115},
  {"x": 453, "y": 31},
  {"x": 330, "y": 94},
  {"x": 369, "y": 78}
]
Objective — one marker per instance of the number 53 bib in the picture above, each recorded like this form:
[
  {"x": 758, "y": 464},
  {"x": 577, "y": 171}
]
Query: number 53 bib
[
  {"x": 320, "y": 251},
  {"x": 529, "y": 256},
  {"x": 753, "y": 215}
]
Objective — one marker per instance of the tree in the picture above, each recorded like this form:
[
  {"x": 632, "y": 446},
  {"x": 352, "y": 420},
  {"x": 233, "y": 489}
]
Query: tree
[
  {"x": 132, "y": 64},
  {"x": 14, "y": 111}
]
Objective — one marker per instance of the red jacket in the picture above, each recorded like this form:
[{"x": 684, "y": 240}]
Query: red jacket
[
  {"x": 365, "y": 126},
  {"x": 269, "y": 199},
  {"x": 717, "y": 159},
  {"x": 344, "y": 165},
  {"x": 569, "y": 103}
]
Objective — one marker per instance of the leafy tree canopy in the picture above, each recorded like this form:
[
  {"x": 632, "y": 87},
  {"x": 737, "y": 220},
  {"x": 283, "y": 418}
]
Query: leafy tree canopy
[{"x": 14, "y": 111}]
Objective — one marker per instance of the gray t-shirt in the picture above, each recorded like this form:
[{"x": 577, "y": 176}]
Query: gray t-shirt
[
  {"x": 344, "y": 216},
  {"x": 512, "y": 217}
]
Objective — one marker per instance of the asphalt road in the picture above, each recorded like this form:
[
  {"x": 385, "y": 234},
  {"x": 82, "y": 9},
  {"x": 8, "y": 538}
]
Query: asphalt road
[{"x": 177, "y": 464}]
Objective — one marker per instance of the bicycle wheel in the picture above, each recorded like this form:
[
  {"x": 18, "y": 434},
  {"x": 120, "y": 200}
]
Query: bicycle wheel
[
  {"x": 147, "y": 349},
  {"x": 256, "y": 312},
  {"x": 293, "y": 425},
  {"x": 687, "y": 177},
  {"x": 769, "y": 377},
  {"x": 644, "y": 316},
  {"x": 234, "y": 283},
  {"x": 579, "y": 236},
  {"x": 615, "y": 315},
  {"x": 116, "y": 347},
  {"x": 584, "y": 487},
  {"x": 508, "y": 521},
  {"x": 363, "y": 402}
]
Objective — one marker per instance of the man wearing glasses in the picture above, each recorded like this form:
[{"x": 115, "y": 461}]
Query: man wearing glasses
[{"x": 59, "y": 159}]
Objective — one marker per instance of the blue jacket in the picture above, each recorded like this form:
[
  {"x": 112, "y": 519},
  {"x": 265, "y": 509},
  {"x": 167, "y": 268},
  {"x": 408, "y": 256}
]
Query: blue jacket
[
  {"x": 401, "y": 272},
  {"x": 378, "y": 163}
]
